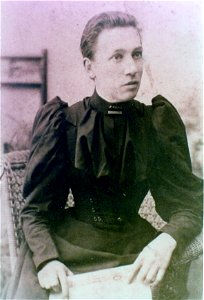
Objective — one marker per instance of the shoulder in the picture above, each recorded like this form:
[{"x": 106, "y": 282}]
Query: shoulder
[
  {"x": 49, "y": 113},
  {"x": 165, "y": 115},
  {"x": 52, "y": 106},
  {"x": 161, "y": 113},
  {"x": 76, "y": 111},
  {"x": 56, "y": 111},
  {"x": 169, "y": 129}
]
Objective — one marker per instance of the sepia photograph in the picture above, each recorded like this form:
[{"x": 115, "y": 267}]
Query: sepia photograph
[{"x": 101, "y": 150}]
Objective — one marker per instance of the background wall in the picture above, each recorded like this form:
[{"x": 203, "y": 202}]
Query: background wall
[{"x": 172, "y": 40}]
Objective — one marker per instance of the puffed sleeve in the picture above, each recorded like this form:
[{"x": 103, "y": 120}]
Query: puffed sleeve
[
  {"x": 176, "y": 190},
  {"x": 46, "y": 181}
]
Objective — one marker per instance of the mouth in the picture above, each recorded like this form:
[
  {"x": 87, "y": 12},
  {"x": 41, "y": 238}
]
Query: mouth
[{"x": 131, "y": 83}]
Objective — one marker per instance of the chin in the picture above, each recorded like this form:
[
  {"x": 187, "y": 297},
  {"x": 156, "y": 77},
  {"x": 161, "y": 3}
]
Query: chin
[{"x": 129, "y": 96}]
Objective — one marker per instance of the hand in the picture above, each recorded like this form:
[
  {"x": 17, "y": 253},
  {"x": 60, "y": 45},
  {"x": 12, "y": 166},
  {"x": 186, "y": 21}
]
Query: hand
[
  {"x": 151, "y": 264},
  {"x": 53, "y": 276}
]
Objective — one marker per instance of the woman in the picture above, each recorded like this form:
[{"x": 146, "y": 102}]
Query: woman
[{"x": 91, "y": 166}]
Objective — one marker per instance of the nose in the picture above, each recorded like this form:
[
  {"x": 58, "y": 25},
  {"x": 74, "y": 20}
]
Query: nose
[{"x": 132, "y": 66}]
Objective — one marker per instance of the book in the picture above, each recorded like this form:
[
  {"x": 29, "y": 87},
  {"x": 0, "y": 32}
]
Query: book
[{"x": 105, "y": 284}]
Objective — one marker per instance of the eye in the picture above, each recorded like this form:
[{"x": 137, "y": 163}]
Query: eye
[
  {"x": 117, "y": 57},
  {"x": 137, "y": 54}
]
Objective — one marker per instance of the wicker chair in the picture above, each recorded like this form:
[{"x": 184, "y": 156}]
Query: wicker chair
[{"x": 14, "y": 164}]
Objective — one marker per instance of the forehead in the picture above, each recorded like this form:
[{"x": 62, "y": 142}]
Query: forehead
[{"x": 126, "y": 38}]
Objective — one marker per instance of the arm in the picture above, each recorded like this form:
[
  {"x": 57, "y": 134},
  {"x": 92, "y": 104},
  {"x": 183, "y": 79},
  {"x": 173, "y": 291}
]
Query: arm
[
  {"x": 176, "y": 190},
  {"x": 45, "y": 190},
  {"x": 177, "y": 193}
]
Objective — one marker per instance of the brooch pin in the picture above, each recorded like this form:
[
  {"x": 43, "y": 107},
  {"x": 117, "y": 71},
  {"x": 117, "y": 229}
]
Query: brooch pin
[
  {"x": 115, "y": 110},
  {"x": 70, "y": 200}
]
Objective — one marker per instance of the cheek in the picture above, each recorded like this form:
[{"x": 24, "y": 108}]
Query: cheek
[
  {"x": 141, "y": 72},
  {"x": 108, "y": 75},
  {"x": 141, "y": 68}
]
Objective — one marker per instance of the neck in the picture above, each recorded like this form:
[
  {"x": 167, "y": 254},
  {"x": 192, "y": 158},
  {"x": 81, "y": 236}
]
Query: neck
[{"x": 101, "y": 95}]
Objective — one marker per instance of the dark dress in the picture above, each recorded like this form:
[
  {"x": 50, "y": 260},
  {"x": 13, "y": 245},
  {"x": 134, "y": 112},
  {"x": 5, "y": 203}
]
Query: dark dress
[{"x": 109, "y": 156}]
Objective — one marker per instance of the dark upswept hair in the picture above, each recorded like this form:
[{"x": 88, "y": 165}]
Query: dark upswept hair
[{"x": 98, "y": 23}]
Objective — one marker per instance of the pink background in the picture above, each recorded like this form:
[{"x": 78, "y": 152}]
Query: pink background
[{"x": 172, "y": 41}]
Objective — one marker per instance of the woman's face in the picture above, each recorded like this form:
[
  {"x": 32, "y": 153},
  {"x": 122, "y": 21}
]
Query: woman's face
[{"x": 117, "y": 64}]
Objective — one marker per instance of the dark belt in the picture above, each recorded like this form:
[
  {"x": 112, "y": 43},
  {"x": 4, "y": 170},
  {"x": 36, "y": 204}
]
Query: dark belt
[{"x": 105, "y": 220}]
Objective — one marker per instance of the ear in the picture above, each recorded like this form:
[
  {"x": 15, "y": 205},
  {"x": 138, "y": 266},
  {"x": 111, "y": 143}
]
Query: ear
[{"x": 88, "y": 65}]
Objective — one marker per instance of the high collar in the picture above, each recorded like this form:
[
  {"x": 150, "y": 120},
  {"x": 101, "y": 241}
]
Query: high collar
[{"x": 110, "y": 108}]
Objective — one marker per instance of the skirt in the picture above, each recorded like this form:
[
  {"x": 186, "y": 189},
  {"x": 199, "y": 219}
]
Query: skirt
[{"x": 84, "y": 248}]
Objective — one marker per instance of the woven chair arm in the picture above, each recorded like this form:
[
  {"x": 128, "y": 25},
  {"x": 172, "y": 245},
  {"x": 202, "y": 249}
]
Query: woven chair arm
[
  {"x": 14, "y": 165},
  {"x": 193, "y": 251},
  {"x": 17, "y": 158}
]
